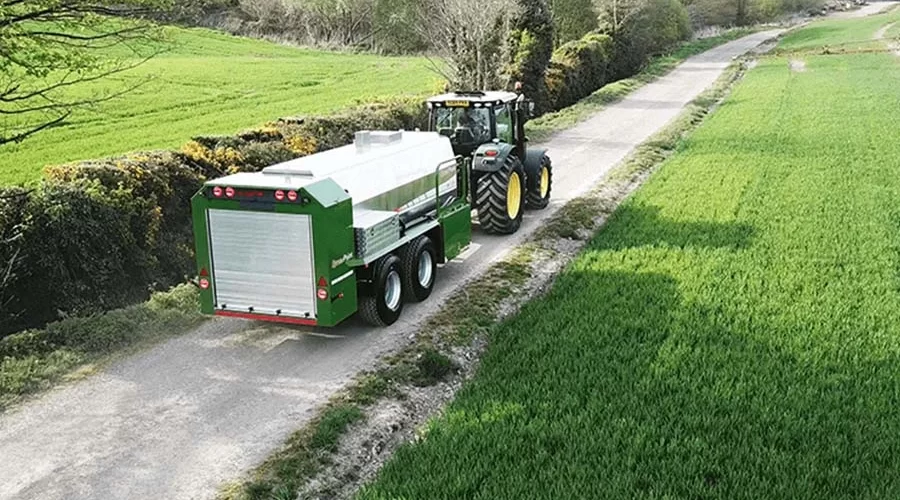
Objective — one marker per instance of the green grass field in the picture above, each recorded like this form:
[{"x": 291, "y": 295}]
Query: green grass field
[
  {"x": 840, "y": 33},
  {"x": 733, "y": 332},
  {"x": 212, "y": 83}
]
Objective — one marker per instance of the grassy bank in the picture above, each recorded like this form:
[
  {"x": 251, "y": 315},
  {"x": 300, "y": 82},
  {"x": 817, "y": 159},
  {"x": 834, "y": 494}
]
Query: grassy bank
[
  {"x": 35, "y": 360},
  {"x": 732, "y": 332},
  {"x": 211, "y": 83}
]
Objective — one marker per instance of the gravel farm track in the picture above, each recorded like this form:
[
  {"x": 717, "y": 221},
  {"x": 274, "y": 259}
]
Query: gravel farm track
[{"x": 179, "y": 419}]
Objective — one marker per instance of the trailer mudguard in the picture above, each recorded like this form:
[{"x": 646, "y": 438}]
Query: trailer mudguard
[{"x": 482, "y": 163}]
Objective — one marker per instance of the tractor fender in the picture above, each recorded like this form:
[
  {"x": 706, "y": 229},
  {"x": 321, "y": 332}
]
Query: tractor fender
[
  {"x": 483, "y": 163},
  {"x": 532, "y": 163}
]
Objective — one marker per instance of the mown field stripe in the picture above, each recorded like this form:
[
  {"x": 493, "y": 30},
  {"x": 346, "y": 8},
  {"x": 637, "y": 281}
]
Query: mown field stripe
[{"x": 733, "y": 332}]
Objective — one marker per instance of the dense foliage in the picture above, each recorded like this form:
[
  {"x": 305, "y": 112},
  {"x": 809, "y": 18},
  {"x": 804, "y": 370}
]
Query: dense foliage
[
  {"x": 653, "y": 29},
  {"x": 578, "y": 68},
  {"x": 572, "y": 19},
  {"x": 733, "y": 332}
]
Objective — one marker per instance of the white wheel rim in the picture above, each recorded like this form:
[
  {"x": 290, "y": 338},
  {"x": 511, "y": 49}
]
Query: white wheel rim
[
  {"x": 392, "y": 291},
  {"x": 425, "y": 271}
]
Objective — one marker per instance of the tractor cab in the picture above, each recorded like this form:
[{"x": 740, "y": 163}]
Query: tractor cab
[
  {"x": 471, "y": 119},
  {"x": 487, "y": 129}
]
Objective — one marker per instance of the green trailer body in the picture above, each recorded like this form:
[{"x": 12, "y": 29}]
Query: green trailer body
[{"x": 292, "y": 244}]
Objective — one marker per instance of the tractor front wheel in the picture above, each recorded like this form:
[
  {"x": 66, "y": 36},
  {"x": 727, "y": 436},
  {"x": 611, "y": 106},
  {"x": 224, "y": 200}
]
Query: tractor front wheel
[
  {"x": 538, "y": 196},
  {"x": 382, "y": 307},
  {"x": 499, "y": 196}
]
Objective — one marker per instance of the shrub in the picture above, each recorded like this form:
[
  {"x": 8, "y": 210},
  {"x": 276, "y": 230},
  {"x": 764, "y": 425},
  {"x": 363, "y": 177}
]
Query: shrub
[
  {"x": 167, "y": 182},
  {"x": 577, "y": 69},
  {"x": 84, "y": 249},
  {"x": 653, "y": 30}
]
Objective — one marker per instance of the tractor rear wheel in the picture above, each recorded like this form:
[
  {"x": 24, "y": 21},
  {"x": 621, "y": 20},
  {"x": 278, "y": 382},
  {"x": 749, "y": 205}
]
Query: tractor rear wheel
[
  {"x": 383, "y": 306},
  {"x": 538, "y": 196},
  {"x": 499, "y": 196}
]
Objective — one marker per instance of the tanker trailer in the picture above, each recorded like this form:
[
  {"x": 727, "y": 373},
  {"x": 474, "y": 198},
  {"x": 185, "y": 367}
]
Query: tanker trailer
[{"x": 311, "y": 241}]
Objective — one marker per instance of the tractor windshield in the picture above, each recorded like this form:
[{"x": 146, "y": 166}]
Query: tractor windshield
[{"x": 464, "y": 125}]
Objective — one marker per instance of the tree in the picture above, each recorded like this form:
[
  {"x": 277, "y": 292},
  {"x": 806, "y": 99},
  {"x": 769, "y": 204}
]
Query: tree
[
  {"x": 468, "y": 35},
  {"x": 530, "y": 47},
  {"x": 48, "y": 47},
  {"x": 613, "y": 15},
  {"x": 572, "y": 19}
]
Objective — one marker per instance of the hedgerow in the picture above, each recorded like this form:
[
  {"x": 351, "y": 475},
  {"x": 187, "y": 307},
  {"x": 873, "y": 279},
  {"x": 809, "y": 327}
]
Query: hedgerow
[{"x": 578, "y": 68}]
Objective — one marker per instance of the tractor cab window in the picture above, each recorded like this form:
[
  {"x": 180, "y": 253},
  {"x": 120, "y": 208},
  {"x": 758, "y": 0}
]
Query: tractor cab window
[
  {"x": 504, "y": 123},
  {"x": 467, "y": 125}
]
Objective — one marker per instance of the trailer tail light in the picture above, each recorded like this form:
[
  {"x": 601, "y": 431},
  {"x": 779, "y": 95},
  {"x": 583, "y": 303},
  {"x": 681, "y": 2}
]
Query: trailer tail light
[
  {"x": 217, "y": 192},
  {"x": 322, "y": 294},
  {"x": 279, "y": 195},
  {"x": 204, "y": 283},
  {"x": 292, "y": 195},
  {"x": 491, "y": 153},
  {"x": 229, "y": 192}
]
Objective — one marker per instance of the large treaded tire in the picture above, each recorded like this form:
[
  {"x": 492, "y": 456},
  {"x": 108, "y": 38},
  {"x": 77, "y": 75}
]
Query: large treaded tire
[
  {"x": 491, "y": 198},
  {"x": 413, "y": 289},
  {"x": 533, "y": 199},
  {"x": 373, "y": 308}
]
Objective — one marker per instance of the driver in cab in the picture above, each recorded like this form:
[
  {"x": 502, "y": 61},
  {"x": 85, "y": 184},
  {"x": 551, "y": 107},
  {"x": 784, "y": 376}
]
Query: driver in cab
[{"x": 470, "y": 120}]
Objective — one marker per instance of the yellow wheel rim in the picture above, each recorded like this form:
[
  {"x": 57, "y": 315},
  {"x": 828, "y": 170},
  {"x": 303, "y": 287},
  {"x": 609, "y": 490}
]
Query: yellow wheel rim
[
  {"x": 545, "y": 181},
  {"x": 513, "y": 195}
]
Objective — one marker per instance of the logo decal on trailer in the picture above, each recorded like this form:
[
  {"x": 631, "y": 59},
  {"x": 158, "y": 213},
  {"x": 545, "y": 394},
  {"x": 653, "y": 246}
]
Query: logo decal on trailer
[{"x": 345, "y": 258}]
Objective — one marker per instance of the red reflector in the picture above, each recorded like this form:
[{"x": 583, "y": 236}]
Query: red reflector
[
  {"x": 322, "y": 281},
  {"x": 204, "y": 283},
  {"x": 292, "y": 195},
  {"x": 323, "y": 294},
  {"x": 204, "y": 272},
  {"x": 217, "y": 192},
  {"x": 229, "y": 192},
  {"x": 491, "y": 152},
  {"x": 279, "y": 195}
]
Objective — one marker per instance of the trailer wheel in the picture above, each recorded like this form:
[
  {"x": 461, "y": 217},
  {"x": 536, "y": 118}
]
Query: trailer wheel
[
  {"x": 383, "y": 306},
  {"x": 498, "y": 198},
  {"x": 538, "y": 196},
  {"x": 419, "y": 264}
]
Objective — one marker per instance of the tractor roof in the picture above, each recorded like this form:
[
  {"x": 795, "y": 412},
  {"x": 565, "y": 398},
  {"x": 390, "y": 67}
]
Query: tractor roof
[{"x": 489, "y": 97}]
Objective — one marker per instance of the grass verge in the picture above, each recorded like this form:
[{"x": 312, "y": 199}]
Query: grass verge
[
  {"x": 471, "y": 314},
  {"x": 732, "y": 331},
  {"x": 35, "y": 360}
]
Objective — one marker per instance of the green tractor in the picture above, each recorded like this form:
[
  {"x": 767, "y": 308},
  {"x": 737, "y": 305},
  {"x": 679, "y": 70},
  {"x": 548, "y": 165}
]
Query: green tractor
[{"x": 488, "y": 130}]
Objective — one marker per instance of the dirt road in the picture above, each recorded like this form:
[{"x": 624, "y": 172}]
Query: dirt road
[{"x": 176, "y": 421}]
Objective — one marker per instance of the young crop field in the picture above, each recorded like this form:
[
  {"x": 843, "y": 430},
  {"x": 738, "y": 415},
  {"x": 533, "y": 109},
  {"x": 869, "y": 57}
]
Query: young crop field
[
  {"x": 733, "y": 331},
  {"x": 211, "y": 83}
]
